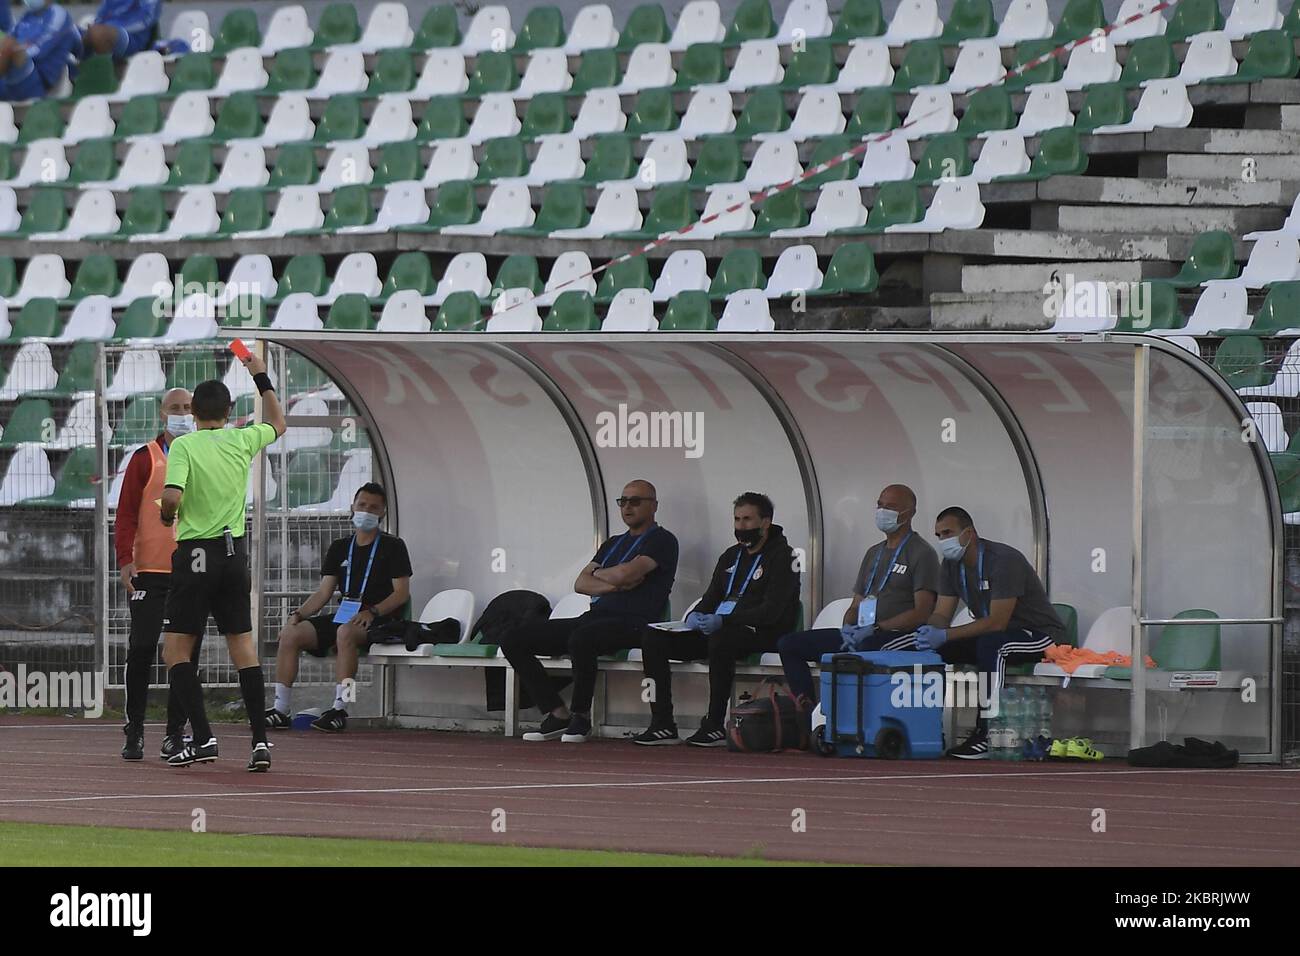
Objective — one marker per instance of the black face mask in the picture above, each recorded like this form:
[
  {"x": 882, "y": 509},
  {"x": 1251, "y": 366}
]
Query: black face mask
[{"x": 749, "y": 536}]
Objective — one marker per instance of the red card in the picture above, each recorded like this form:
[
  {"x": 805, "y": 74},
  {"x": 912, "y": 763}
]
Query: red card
[{"x": 240, "y": 349}]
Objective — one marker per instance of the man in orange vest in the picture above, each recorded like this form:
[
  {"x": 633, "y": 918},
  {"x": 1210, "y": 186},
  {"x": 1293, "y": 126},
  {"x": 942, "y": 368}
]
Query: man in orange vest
[{"x": 144, "y": 556}]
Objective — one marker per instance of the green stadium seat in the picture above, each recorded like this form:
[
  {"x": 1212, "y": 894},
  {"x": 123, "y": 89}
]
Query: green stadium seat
[
  {"x": 8, "y": 168},
  {"x": 307, "y": 480},
  {"x": 689, "y": 312},
  {"x": 612, "y": 158},
  {"x": 444, "y": 118},
  {"x": 439, "y": 29},
  {"x": 341, "y": 121},
  {"x": 922, "y": 65},
  {"x": 398, "y": 163},
  {"x": 191, "y": 368},
  {"x": 139, "y": 422},
  {"x": 1286, "y": 469},
  {"x": 563, "y": 207},
  {"x": 597, "y": 70},
  {"x": 851, "y": 271},
  {"x": 671, "y": 209},
  {"x": 543, "y": 29},
  {"x": 453, "y": 206},
  {"x": 1149, "y": 58},
  {"x": 645, "y": 24},
  {"x": 305, "y": 272},
  {"x": 295, "y": 165},
  {"x": 1193, "y": 16},
  {"x": 896, "y": 202},
  {"x": 291, "y": 71},
  {"x": 652, "y": 113},
  {"x": 969, "y": 20},
  {"x": 196, "y": 273},
  {"x": 1291, "y": 23},
  {"x": 873, "y": 112},
  {"x": 350, "y": 313},
  {"x": 245, "y": 212},
  {"x": 827, "y": 149},
  {"x": 337, "y": 25},
  {"x": 702, "y": 64},
  {"x": 632, "y": 273},
  {"x": 1060, "y": 153},
  {"x": 1161, "y": 307},
  {"x": 814, "y": 65},
  {"x": 1212, "y": 256},
  {"x": 246, "y": 312},
  {"x": 1049, "y": 71},
  {"x": 739, "y": 269},
  {"x": 43, "y": 120},
  {"x": 493, "y": 72},
  {"x": 572, "y": 311},
  {"x": 145, "y": 213},
  {"x": 1070, "y": 618},
  {"x": 460, "y": 312},
  {"x": 394, "y": 72},
  {"x": 1280, "y": 311},
  {"x": 859, "y": 18},
  {"x": 410, "y": 270},
  {"x": 38, "y": 318},
  {"x": 139, "y": 321},
  {"x": 987, "y": 111},
  {"x": 97, "y": 275},
  {"x": 719, "y": 161},
  {"x": 97, "y": 77},
  {"x": 95, "y": 162},
  {"x": 8, "y": 277},
  {"x": 45, "y": 212},
  {"x": 28, "y": 423},
  {"x": 302, "y": 375},
  {"x": 763, "y": 112},
  {"x": 519, "y": 271},
  {"x": 350, "y": 207},
  {"x": 140, "y": 116},
  {"x": 194, "y": 73},
  {"x": 546, "y": 115},
  {"x": 238, "y": 30},
  {"x": 1188, "y": 647},
  {"x": 1105, "y": 105},
  {"x": 946, "y": 156},
  {"x": 752, "y": 20},
  {"x": 785, "y": 210},
  {"x": 77, "y": 480},
  {"x": 239, "y": 118},
  {"x": 1242, "y": 362},
  {"x": 1270, "y": 56},
  {"x": 1078, "y": 19}
]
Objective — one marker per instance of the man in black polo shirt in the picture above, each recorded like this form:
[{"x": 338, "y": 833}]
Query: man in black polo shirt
[
  {"x": 629, "y": 580},
  {"x": 752, "y": 599},
  {"x": 1014, "y": 621},
  {"x": 371, "y": 571}
]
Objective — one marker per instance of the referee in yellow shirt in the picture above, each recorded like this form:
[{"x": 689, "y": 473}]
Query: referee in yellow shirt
[{"x": 206, "y": 484}]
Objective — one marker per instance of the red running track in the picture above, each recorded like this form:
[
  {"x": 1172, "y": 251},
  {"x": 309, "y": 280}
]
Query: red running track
[{"x": 422, "y": 785}]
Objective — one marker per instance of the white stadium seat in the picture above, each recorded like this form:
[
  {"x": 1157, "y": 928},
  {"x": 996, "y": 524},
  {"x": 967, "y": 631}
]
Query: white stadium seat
[
  {"x": 79, "y": 427},
  {"x": 94, "y": 214},
  {"x": 617, "y": 210},
  {"x": 1151, "y": 25},
  {"x": 1024, "y": 20},
  {"x": 404, "y": 312},
  {"x": 721, "y": 199},
  {"x": 559, "y": 158},
  {"x": 251, "y": 275},
  {"x": 884, "y": 161},
  {"x": 1003, "y": 154},
  {"x": 599, "y": 113},
  {"x": 290, "y": 121},
  {"x": 1268, "y": 425},
  {"x": 45, "y": 277},
  {"x": 138, "y": 370},
  {"x": 758, "y": 63},
  {"x": 390, "y": 122},
  {"x": 796, "y": 271},
  {"x": 489, "y": 30},
  {"x": 358, "y": 273},
  {"x": 90, "y": 119},
  {"x": 1273, "y": 258},
  {"x": 746, "y": 311},
  {"x": 1208, "y": 56},
  {"x": 665, "y": 161},
  {"x": 344, "y": 72},
  {"x": 775, "y": 161},
  {"x": 348, "y": 164},
  {"x": 244, "y": 167},
  {"x": 288, "y": 29},
  {"x": 979, "y": 63},
  {"x": 404, "y": 205},
  {"x": 1222, "y": 305},
  {"x": 1252, "y": 16},
  {"x": 913, "y": 20},
  {"x": 189, "y": 118},
  {"x": 1046, "y": 107},
  {"x": 507, "y": 208},
  {"x": 28, "y": 476},
  {"x": 956, "y": 205},
  {"x": 467, "y": 272},
  {"x": 195, "y": 319},
  {"x": 146, "y": 75},
  {"x": 649, "y": 66},
  {"x": 148, "y": 276},
  {"x": 44, "y": 162},
  {"x": 1088, "y": 65},
  {"x": 867, "y": 66},
  {"x": 931, "y": 113},
  {"x": 443, "y": 75},
  {"x": 804, "y": 20},
  {"x": 452, "y": 159},
  {"x": 632, "y": 310},
  {"x": 145, "y": 164},
  {"x": 547, "y": 72},
  {"x": 389, "y": 27},
  {"x": 684, "y": 271},
  {"x": 496, "y": 117},
  {"x": 839, "y": 206},
  {"x": 592, "y": 29},
  {"x": 515, "y": 310},
  {"x": 193, "y": 27},
  {"x": 31, "y": 370},
  {"x": 818, "y": 115},
  {"x": 700, "y": 21},
  {"x": 195, "y": 216},
  {"x": 570, "y": 272},
  {"x": 708, "y": 113},
  {"x": 298, "y": 311},
  {"x": 244, "y": 71},
  {"x": 1163, "y": 104}
]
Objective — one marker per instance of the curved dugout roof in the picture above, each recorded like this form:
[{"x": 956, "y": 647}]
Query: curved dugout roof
[{"x": 504, "y": 453}]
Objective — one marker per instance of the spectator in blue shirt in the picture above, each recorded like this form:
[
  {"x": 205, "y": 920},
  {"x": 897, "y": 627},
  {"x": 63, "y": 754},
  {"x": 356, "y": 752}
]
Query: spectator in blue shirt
[
  {"x": 43, "y": 44},
  {"x": 123, "y": 27}
]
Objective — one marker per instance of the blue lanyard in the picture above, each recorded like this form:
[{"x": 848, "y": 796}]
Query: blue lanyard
[
  {"x": 630, "y": 551},
  {"x": 889, "y": 570},
  {"x": 979, "y": 576},
  {"x": 347, "y": 580},
  {"x": 736, "y": 567}
]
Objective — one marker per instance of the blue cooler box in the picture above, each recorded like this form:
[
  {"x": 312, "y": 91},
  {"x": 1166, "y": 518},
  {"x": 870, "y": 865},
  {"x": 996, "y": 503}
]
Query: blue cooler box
[{"x": 886, "y": 704}]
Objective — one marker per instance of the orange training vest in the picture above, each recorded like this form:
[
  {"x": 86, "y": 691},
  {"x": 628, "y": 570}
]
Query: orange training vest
[{"x": 154, "y": 541}]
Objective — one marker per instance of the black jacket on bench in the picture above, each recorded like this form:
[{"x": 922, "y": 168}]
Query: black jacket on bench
[{"x": 770, "y": 604}]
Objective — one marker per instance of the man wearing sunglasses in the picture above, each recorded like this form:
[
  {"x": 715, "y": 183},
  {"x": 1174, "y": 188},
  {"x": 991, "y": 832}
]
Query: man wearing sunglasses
[{"x": 629, "y": 580}]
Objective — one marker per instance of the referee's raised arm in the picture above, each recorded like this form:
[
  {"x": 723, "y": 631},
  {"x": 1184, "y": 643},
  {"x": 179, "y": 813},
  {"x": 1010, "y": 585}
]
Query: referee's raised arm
[{"x": 272, "y": 413}]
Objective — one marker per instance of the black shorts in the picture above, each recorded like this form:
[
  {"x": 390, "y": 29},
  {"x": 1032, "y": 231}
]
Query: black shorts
[
  {"x": 207, "y": 581},
  {"x": 327, "y": 632}
]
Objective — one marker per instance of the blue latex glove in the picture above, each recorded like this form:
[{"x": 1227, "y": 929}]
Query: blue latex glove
[
  {"x": 695, "y": 620},
  {"x": 710, "y": 623},
  {"x": 854, "y": 636},
  {"x": 930, "y": 638}
]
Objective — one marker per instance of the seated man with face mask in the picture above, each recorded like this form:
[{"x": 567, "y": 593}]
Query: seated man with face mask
[
  {"x": 371, "y": 571},
  {"x": 894, "y": 595}
]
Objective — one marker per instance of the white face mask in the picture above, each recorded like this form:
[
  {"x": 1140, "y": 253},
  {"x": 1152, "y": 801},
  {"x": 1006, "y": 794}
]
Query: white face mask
[
  {"x": 365, "y": 521},
  {"x": 952, "y": 548},
  {"x": 34, "y": 4},
  {"x": 886, "y": 520},
  {"x": 180, "y": 424}
]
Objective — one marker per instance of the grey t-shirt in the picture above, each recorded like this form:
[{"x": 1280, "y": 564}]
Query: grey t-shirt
[
  {"x": 1006, "y": 574},
  {"x": 916, "y": 569}
]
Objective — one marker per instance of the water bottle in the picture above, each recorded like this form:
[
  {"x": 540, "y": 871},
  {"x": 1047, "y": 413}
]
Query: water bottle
[
  {"x": 997, "y": 736},
  {"x": 1044, "y": 714},
  {"x": 1013, "y": 715}
]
